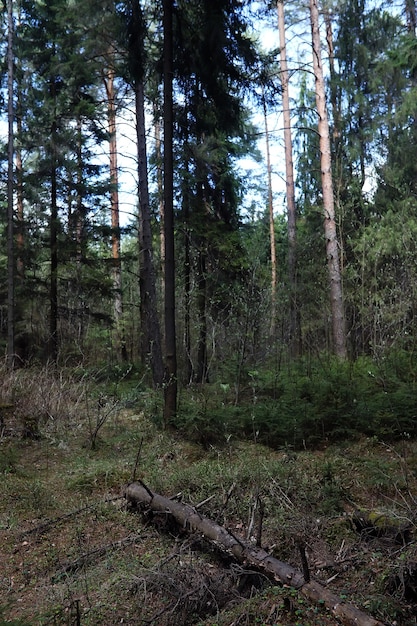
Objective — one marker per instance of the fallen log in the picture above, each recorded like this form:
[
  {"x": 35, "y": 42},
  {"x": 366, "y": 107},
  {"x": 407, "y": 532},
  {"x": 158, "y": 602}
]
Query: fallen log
[{"x": 138, "y": 495}]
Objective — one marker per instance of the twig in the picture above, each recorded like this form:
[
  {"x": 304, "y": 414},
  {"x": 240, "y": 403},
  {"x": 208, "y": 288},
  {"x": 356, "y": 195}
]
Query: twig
[
  {"x": 137, "y": 461},
  {"x": 203, "y": 502},
  {"x": 332, "y": 578},
  {"x": 260, "y": 523},
  {"x": 54, "y": 522},
  {"x": 304, "y": 562},
  {"x": 86, "y": 558},
  {"x": 228, "y": 496},
  {"x": 171, "y": 607},
  {"x": 252, "y": 519},
  {"x": 148, "y": 491}
]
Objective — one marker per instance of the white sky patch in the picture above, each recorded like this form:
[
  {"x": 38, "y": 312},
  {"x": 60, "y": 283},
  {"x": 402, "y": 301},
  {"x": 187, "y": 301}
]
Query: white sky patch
[{"x": 128, "y": 167}]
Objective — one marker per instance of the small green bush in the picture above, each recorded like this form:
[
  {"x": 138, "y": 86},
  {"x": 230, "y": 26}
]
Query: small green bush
[
  {"x": 8, "y": 459},
  {"x": 310, "y": 403}
]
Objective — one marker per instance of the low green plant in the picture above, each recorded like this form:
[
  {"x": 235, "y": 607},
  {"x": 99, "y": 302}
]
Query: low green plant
[
  {"x": 308, "y": 403},
  {"x": 8, "y": 458}
]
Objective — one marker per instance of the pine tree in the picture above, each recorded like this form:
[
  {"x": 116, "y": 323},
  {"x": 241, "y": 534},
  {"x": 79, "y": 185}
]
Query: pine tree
[
  {"x": 336, "y": 296},
  {"x": 10, "y": 191},
  {"x": 295, "y": 333},
  {"x": 170, "y": 396},
  {"x": 62, "y": 184}
]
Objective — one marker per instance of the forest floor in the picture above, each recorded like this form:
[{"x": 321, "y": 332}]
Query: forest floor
[{"x": 71, "y": 552}]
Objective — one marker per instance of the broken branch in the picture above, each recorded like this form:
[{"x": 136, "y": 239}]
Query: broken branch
[{"x": 283, "y": 573}]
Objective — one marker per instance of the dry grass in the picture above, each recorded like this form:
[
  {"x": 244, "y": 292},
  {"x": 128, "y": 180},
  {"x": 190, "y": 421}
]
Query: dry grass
[{"x": 71, "y": 553}]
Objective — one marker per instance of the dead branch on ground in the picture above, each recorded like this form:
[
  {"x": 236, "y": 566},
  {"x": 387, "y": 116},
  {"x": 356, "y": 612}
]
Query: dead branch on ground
[
  {"x": 50, "y": 523},
  {"x": 190, "y": 520},
  {"x": 88, "y": 557}
]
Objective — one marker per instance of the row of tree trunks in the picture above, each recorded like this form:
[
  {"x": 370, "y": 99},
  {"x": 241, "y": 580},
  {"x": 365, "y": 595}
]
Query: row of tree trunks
[{"x": 189, "y": 519}]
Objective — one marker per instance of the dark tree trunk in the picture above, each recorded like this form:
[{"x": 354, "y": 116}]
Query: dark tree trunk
[
  {"x": 187, "y": 284},
  {"x": 20, "y": 235},
  {"x": 170, "y": 404},
  {"x": 201, "y": 375},
  {"x": 160, "y": 187},
  {"x": 53, "y": 243},
  {"x": 10, "y": 191},
  {"x": 410, "y": 11},
  {"x": 151, "y": 332}
]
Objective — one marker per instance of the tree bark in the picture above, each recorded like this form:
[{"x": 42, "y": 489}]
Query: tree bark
[
  {"x": 160, "y": 187},
  {"x": 20, "y": 234},
  {"x": 201, "y": 374},
  {"x": 120, "y": 342},
  {"x": 10, "y": 192},
  {"x": 272, "y": 246},
  {"x": 332, "y": 246},
  {"x": 295, "y": 332},
  {"x": 147, "y": 280},
  {"x": 410, "y": 11},
  {"x": 170, "y": 382},
  {"x": 187, "y": 279},
  {"x": 189, "y": 519},
  {"x": 53, "y": 244}
]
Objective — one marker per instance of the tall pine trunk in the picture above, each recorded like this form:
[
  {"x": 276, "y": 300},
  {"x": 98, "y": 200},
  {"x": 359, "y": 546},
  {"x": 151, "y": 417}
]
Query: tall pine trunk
[
  {"x": 10, "y": 192},
  {"x": 332, "y": 248},
  {"x": 151, "y": 333},
  {"x": 272, "y": 244},
  {"x": 188, "y": 376},
  {"x": 20, "y": 235},
  {"x": 160, "y": 187},
  {"x": 118, "y": 335},
  {"x": 170, "y": 400},
  {"x": 294, "y": 330},
  {"x": 53, "y": 245},
  {"x": 201, "y": 373}
]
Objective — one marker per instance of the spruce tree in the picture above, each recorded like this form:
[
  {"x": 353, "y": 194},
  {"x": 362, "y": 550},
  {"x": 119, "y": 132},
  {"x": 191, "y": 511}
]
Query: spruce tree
[
  {"x": 62, "y": 183},
  {"x": 212, "y": 58},
  {"x": 151, "y": 334}
]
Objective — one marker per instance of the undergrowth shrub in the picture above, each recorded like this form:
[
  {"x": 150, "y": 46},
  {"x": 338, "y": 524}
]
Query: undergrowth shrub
[
  {"x": 309, "y": 403},
  {"x": 47, "y": 401},
  {"x": 8, "y": 458}
]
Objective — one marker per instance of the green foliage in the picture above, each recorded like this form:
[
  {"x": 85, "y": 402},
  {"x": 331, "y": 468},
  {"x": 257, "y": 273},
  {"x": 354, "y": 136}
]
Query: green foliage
[
  {"x": 69, "y": 497},
  {"x": 309, "y": 404},
  {"x": 8, "y": 458}
]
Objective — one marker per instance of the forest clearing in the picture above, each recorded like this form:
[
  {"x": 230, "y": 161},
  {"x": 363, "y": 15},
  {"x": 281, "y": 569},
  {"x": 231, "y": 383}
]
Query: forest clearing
[{"x": 73, "y": 552}]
